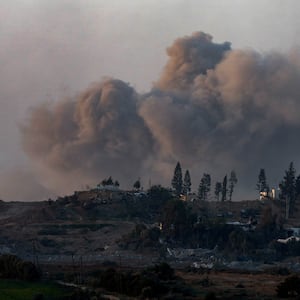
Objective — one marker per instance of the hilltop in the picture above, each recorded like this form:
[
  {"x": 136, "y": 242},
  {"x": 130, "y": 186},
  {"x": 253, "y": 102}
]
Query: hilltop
[{"x": 94, "y": 223}]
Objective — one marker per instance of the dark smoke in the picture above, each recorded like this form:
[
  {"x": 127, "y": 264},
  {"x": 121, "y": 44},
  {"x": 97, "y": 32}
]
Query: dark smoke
[
  {"x": 93, "y": 135},
  {"x": 214, "y": 109},
  {"x": 189, "y": 57}
]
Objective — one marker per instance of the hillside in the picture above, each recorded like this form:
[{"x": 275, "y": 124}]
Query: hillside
[
  {"x": 86, "y": 224},
  {"x": 91, "y": 224}
]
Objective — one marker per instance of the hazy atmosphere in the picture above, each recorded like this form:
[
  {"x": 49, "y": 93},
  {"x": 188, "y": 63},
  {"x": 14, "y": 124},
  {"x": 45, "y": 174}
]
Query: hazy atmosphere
[{"x": 127, "y": 88}]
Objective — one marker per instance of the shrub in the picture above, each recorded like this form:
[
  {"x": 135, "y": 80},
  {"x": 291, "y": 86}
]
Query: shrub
[
  {"x": 147, "y": 292},
  {"x": 28, "y": 271},
  {"x": 210, "y": 296},
  {"x": 163, "y": 271},
  {"x": 133, "y": 284},
  {"x": 38, "y": 297},
  {"x": 78, "y": 295},
  {"x": 12, "y": 266},
  {"x": 289, "y": 287}
]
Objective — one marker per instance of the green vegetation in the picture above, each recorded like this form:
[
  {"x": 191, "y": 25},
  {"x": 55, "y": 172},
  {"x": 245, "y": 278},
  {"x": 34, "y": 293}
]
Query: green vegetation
[
  {"x": 13, "y": 267},
  {"x": 204, "y": 187},
  {"x": 262, "y": 185},
  {"x": 224, "y": 189},
  {"x": 24, "y": 290},
  {"x": 186, "y": 183},
  {"x": 154, "y": 282},
  {"x": 232, "y": 182},
  {"x": 158, "y": 197},
  {"x": 177, "y": 179},
  {"x": 218, "y": 190},
  {"x": 137, "y": 185},
  {"x": 290, "y": 287},
  {"x": 140, "y": 238},
  {"x": 109, "y": 181}
]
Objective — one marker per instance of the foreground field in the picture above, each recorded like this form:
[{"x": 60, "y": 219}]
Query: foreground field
[
  {"x": 231, "y": 285},
  {"x": 157, "y": 282},
  {"x": 107, "y": 243},
  {"x": 23, "y": 290}
]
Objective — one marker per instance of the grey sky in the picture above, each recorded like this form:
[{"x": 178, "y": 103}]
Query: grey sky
[{"x": 54, "y": 48}]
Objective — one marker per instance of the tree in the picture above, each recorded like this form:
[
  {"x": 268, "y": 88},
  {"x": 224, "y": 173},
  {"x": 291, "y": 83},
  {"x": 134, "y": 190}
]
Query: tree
[
  {"x": 137, "y": 185},
  {"x": 108, "y": 181},
  {"x": 224, "y": 189},
  {"x": 238, "y": 242},
  {"x": 204, "y": 187},
  {"x": 288, "y": 188},
  {"x": 290, "y": 287},
  {"x": 14, "y": 267},
  {"x": 218, "y": 190},
  {"x": 232, "y": 182},
  {"x": 177, "y": 220},
  {"x": 262, "y": 185},
  {"x": 177, "y": 179},
  {"x": 267, "y": 220},
  {"x": 297, "y": 188},
  {"x": 186, "y": 183},
  {"x": 158, "y": 197},
  {"x": 174, "y": 218},
  {"x": 117, "y": 184}
]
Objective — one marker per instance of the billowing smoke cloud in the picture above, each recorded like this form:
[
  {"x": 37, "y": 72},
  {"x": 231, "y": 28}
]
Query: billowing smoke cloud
[
  {"x": 97, "y": 133},
  {"x": 188, "y": 57},
  {"x": 214, "y": 109}
]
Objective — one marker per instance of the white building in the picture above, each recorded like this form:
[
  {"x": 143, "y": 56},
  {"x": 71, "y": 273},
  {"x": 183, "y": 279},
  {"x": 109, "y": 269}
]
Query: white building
[{"x": 268, "y": 194}]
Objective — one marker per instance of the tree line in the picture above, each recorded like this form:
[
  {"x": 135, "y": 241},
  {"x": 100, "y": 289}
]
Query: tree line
[
  {"x": 224, "y": 189},
  {"x": 289, "y": 186}
]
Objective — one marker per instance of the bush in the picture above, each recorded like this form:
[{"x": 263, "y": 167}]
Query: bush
[
  {"x": 289, "y": 287},
  {"x": 163, "y": 271},
  {"x": 210, "y": 296},
  {"x": 28, "y": 271},
  {"x": 12, "y": 266},
  {"x": 38, "y": 297},
  {"x": 133, "y": 284},
  {"x": 147, "y": 292},
  {"x": 140, "y": 238}
]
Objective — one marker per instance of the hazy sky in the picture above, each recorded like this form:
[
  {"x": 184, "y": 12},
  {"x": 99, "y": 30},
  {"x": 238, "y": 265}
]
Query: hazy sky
[{"x": 54, "y": 48}]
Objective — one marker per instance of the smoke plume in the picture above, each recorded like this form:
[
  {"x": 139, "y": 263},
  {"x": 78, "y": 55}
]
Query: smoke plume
[
  {"x": 97, "y": 133},
  {"x": 214, "y": 109},
  {"x": 189, "y": 57}
]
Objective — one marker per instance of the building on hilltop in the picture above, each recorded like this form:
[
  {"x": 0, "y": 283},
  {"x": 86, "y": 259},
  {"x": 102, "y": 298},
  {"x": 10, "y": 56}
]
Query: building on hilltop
[{"x": 267, "y": 194}]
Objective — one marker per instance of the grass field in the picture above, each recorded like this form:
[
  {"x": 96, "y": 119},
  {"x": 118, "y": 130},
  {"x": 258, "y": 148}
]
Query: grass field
[{"x": 22, "y": 290}]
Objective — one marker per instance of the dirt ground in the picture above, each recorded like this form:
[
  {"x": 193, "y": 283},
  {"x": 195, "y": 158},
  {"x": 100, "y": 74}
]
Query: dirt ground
[
  {"x": 224, "y": 284},
  {"x": 233, "y": 285}
]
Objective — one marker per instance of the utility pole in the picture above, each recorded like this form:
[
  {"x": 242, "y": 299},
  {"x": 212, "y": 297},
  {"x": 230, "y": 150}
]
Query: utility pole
[
  {"x": 81, "y": 271},
  {"x": 35, "y": 255},
  {"x": 73, "y": 266}
]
